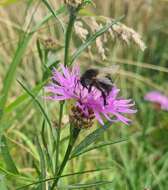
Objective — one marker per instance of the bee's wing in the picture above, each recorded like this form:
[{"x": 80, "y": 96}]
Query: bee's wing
[
  {"x": 110, "y": 70},
  {"x": 105, "y": 71},
  {"x": 105, "y": 80}
]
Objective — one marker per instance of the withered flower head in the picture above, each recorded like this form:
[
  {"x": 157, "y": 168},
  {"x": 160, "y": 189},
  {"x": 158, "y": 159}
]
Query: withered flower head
[
  {"x": 73, "y": 3},
  {"x": 50, "y": 43}
]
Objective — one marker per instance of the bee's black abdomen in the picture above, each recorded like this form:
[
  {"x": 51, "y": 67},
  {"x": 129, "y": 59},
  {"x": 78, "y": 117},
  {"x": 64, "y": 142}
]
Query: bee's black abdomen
[
  {"x": 106, "y": 87},
  {"x": 87, "y": 77}
]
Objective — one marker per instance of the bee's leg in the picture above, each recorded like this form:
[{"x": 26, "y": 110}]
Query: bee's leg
[
  {"x": 90, "y": 88},
  {"x": 85, "y": 87},
  {"x": 104, "y": 97},
  {"x": 102, "y": 92}
]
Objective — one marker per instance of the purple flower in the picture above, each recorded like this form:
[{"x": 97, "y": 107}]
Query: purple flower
[
  {"x": 67, "y": 86},
  {"x": 158, "y": 98}
]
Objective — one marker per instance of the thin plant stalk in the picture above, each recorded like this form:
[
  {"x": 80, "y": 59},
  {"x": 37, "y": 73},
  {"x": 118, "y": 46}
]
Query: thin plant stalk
[
  {"x": 58, "y": 135},
  {"x": 68, "y": 36},
  {"x": 74, "y": 133}
]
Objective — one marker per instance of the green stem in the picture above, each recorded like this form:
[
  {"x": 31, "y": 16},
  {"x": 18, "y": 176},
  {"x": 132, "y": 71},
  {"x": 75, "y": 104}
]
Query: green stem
[
  {"x": 72, "y": 18},
  {"x": 69, "y": 30},
  {"x": 58, "y": 135},
  {"x": 68, "y": 36},
  {"x": 73, "y": 136}
]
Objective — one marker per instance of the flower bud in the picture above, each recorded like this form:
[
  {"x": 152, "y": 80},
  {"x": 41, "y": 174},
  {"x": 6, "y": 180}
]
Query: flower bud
[{"x": 80, "y": 120}]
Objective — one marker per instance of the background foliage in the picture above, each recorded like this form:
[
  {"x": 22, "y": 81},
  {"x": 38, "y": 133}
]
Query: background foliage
[{"x": 140, "y": 160}]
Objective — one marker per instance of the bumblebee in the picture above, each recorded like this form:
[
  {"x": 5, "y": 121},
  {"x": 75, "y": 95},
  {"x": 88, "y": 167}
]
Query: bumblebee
[{"x": 100, "y": 79}]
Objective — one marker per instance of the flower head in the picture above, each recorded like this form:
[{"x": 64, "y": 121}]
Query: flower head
[
  {"x": 88, "y": 105},
  {"x": 73, "y": 3},
  {"x": 50, "y": 43},
  {"x": 157, "y": 98}
]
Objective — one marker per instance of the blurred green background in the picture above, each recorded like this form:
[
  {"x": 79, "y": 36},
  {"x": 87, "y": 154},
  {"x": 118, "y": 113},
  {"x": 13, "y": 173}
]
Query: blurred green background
[{"x": 138, "y": 163}]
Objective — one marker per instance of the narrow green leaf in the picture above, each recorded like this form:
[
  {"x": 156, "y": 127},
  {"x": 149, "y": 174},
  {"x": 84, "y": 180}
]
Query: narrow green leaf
[
  {"x": 89, "y": 185},
  {"x": 24, "y": 97},
  {"x": 28, "y": 142},
  {"x": 40, "y": 52},
  {"x": 37, "y": 102},
  {"x": 10, "y": 164},
  {"x": 54, "y": 14},
  {"x": 88, "y": 140},
  {"x": 92, "y": 38},
  {"x": 43, "y": 135},
  {"x": 22, "y": 45},
  {"x": 66, "y": 175},
  {"x": 42, "y": 166},
  {"x": 49, "y": 158},
  {"x": 48, "y": 17},
  {"x": 17, "y": 176},
  {"x": 98, "y": 146}
]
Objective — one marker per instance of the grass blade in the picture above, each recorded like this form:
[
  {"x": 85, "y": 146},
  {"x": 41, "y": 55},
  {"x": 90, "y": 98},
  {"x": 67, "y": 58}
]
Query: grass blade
[
  {"x": 42, "y": 166},
  {"x": 89, "y": 185},
  {"x": 16, "y": 176},
  {"x": 98, "y": 146},
  {"x": 28, "y": 142},
  {"x": 88, "y": 140},
  {"x": 12, "y": 70},
  {"x": 23, "y": 98},
  {"x": 66, "y": 175},
  {"x": 54, "y": 14},
  {"x": 48, "y": 17},
  {"x": 10, "y": 164},
  {"x": 38, "y": 103}
]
